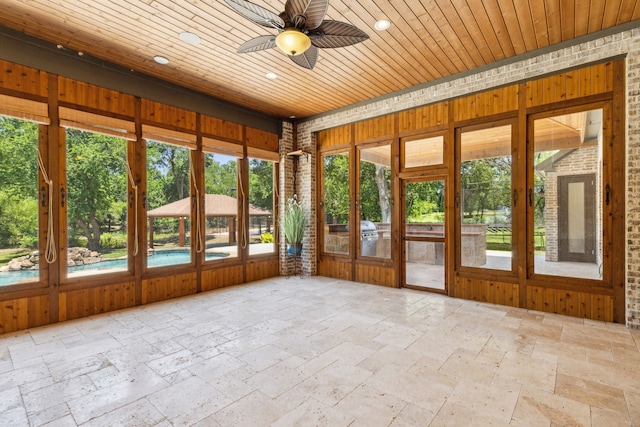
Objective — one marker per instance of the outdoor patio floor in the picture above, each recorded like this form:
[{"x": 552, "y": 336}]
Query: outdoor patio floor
[{"x": 317, "y": 351}]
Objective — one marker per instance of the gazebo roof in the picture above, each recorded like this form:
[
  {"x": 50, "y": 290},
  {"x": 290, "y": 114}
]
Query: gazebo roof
[{"x": 216, "y": 205}]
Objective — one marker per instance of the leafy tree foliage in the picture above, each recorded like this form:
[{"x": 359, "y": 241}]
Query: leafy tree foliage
[
  {"x": 424, "y": 198},
  {"x": 336, "y": 187},
  {"x": 18, "y": 183},
  {"x": 261, "y": 183},
  {"x": 96, "y": 183},
  {"x": 375, "y": 192},
  {"x": 485, "y": 185},
  {"x": 167, "y": 174},
  {"x": 220, "y": 175}
]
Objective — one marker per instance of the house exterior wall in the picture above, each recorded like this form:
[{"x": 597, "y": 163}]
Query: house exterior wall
[
  {"x": 623, "y": 43},
  {"x": 579, "y": 162}
]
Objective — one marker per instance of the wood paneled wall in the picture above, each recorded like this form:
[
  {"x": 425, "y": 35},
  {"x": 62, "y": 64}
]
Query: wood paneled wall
[
  {"x": 23, "y": 312},
  {"x": 167, "y": 287},
  {"x": 493, "y": 102},
  {"x": 97, "y": 98},
  {"x": 222, "y": 277},
  {"x": 95, "y": 300},
  {"x": 24, "y": 80},
  {"x": 572, "y": 303},
  {"x": 574, "y": 84},
  {"x": 335, "y": 137},
  {"x": 426, "y": 117},
  {"x": 491, "y": 291},
  {"x": 571, "y": 88},
  {"x": 338, "y": 269},
  {"x": 52, "y": 299}
]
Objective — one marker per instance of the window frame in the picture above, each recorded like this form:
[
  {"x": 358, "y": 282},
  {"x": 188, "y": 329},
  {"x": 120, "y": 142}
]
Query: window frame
[
  {"x": 607, "y": 212},
  {"x": 357, "y": 214},
  {"x": 471, "y": 271}
]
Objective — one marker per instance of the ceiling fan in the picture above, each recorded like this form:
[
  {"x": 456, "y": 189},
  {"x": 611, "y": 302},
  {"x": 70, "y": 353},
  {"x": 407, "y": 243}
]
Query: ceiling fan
[{"x": 302, "y": 29}]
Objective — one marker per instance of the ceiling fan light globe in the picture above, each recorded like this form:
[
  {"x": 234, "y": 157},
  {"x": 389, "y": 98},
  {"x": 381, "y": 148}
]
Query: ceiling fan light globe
[{"x": 293, "y": 41}]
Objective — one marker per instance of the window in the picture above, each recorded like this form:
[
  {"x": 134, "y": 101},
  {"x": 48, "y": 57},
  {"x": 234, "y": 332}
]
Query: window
[
  {"x": 19, "y": 201},
  {"x": 335, "y": 201},
  {"x": 567, "y": 194},
  {"x": 423, "y": 151},
  {"x": 375, "y": 201},
  {"x": 261, "y": 206},
  {"x": 169, "y": 204},
  {"x": 221, "y": 206},
  {"x": 96, "y": 203},
  {"x": 485, "y": 198}
]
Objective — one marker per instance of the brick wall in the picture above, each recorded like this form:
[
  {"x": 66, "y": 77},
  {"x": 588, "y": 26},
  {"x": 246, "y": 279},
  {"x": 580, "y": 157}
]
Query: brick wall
[
  {"x": 622, "y": 43},
  {"x": 579, "y": 162}
]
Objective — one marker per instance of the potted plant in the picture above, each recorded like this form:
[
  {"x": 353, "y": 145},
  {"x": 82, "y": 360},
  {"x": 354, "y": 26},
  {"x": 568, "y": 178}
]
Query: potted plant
[{"x": 294, "y": 222}]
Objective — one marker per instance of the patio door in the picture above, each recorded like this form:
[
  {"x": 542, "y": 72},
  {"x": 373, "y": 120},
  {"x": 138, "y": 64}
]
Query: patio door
[
  {"x": 423, "y": 235},
  {"x": 577, "y": 218}
]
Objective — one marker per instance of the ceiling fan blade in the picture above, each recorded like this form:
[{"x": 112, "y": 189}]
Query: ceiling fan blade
[
  {"x": 257, "y": 14},
  {"x": 307, "y": 59},
  {"x": 312, "y": 10},
  {"x": 333, "y": 34},
  {"x": 257, "y": 44}
]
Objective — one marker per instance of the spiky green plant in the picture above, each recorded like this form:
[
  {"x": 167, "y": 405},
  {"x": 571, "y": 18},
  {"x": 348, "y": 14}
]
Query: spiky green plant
[{"x": 294, "y": 221}]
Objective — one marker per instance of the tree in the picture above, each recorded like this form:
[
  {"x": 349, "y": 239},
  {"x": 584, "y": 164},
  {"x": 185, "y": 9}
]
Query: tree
[
  {"x": 220, "y": 176},
  {"x": 18, "y": 183},
  {"x": 336, "y": 187},
  {"x": 375, "y": 192},
  {"x": 96, "y": 179}
]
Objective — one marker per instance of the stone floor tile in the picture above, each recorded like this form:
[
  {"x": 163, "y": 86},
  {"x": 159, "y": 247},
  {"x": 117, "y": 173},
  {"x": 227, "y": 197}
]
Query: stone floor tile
[
  {"x": 478, "y": 401},
  {"x": 591, "y": 393},
  {"x": 66, "y": 421},
  {"x": 605, "y": 417},
  {"x": 30, "y": 374},
  {"x": 333, "y": 383},
  {"x": 633, "y": 404},
  {"x": 412, "y": 416},
  {"x": 140, "y": 413},
  {"x": 189, "y": 401},
  {"x": 263, "y": 357},
  {"x": 527, "y": 370},
  {"x": 320, "y": 351},
  {"x": 65, "y": 370},
  {"x": 430, "y": 394},
  {"x": 11, "y": 401},
  {"x": 542, "y": 408},
  {"x": 58, "y": 413},
  {"x": 216, "y": 366},
  {"x": 174, "y": 362},
  {"x": 131, "y": 386},
  {"x": 255, "y": 409},
  {"x": 370, "y": 407},
  {"x": 57, "y": 394},
  {"x": 314, "y": 413},
  {"x": 276, "y": 380},
  {"x": 465, "y": 364}
]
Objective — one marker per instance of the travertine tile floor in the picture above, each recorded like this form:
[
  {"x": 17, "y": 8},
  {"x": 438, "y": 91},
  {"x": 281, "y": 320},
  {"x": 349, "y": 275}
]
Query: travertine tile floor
[{"x": 318, "y": 351}]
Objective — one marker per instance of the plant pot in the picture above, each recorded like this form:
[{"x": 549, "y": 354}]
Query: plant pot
[{"x": 294, "y": 248}]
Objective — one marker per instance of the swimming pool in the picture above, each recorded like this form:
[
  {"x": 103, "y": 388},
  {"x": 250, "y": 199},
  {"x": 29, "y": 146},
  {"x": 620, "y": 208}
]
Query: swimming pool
[{"x": 157, "y": 259}]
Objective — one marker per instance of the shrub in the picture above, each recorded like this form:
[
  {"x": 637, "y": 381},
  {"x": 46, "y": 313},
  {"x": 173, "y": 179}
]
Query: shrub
[
  {"x": 113, "y": 240},
  {"x": 267, "y": 237}
]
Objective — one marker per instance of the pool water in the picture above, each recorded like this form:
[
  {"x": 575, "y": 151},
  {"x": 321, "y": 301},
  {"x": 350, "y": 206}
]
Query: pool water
[{"x": 158, "y": 259}]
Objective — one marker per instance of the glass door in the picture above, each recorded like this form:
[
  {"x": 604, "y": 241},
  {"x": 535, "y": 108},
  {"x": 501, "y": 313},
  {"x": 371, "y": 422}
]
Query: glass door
[{"x": 424, "y": 261}]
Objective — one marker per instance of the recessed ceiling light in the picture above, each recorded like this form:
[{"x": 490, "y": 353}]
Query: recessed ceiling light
[
  {"x": 190, "y": 38},
  {"x": 161, "y": 59},
  {"x": 382, "y": 25},
  {"x": 271, "y": 76}
]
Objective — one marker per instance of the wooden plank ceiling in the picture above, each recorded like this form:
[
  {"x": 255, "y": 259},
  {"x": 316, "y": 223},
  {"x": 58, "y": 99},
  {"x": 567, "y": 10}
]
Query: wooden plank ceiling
[{"x": 428, "y": 39}]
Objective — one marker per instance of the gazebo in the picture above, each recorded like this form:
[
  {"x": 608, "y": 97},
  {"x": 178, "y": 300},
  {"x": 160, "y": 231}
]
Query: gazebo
[{"x": 216, "y": 206}]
